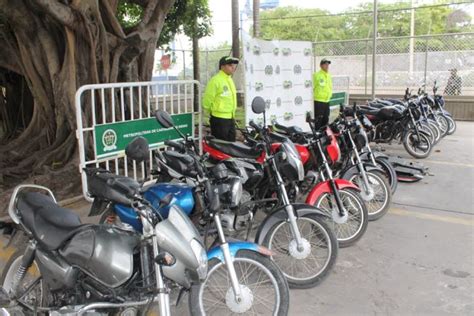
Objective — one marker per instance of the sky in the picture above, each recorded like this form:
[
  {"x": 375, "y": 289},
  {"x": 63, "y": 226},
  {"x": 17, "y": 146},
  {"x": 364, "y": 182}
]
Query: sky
[{"x": 221, "y": 16}]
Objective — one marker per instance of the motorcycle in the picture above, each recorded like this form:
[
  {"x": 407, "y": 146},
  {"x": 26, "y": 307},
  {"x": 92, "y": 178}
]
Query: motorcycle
[
  {"x": 398, "y": 122},
  {"x": 294, "y": 232},
  {"x": 234, "y": 265},
  {"x": 366, "y": 152},
  {"x": 396, "y": 168},
  {"x": 438, "y": 105},
  {"x": 70, "y": 268},
  {"x": 375, "y": 190},
  {"x": 338, "y": 198}
]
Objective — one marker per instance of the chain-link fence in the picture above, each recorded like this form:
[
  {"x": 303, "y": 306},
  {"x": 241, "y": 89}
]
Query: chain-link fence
[
  {"x": 403, "y": 62},
  {"x": 181, "y": 67}
]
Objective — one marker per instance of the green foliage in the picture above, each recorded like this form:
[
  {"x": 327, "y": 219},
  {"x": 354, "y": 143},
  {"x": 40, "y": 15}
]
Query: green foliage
[
  {"x": 191, "y": 17},
  {"x": 129, "y": 14},
  {"x": 209, "y": 60},
  {"x": 283, "y": 22}
]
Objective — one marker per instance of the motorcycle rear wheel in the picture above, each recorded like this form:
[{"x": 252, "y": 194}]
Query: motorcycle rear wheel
[{"x": 39, "y": 291}]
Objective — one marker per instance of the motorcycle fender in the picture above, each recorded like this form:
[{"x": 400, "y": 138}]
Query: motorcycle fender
[
  {"x": 280, "y": 215},
  {"x": 234, "y": 247},
  {"x": 377, "y": 154},
  {"x": 349, "y": 173},
  {"x": 325, "y": 187}
]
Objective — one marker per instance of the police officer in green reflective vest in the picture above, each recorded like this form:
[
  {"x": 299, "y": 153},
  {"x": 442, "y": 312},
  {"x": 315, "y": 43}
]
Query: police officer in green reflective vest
[
  {"x": 220, "y": 100},
  {"x": 322, "y": 91}
]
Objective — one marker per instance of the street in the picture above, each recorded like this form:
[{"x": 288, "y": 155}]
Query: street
[{"x": 418, "y": 259}]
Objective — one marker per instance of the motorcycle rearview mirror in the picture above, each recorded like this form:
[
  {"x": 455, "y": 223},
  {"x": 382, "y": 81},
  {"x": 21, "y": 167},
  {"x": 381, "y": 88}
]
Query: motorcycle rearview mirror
[
  {"x": 138, "y": 150},
  {"x": 308, "y": 117},
  {"x": 164, "y": 119},
  {"x": 258, "y": 105}
]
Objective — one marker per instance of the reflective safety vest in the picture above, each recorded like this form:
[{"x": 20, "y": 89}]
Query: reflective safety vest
[
  {"x": 322, "y": 86},
  {"x": 220, "y": 97}
]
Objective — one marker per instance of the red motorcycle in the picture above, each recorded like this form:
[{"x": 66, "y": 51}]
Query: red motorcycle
[{"x": 338, "y": 198}]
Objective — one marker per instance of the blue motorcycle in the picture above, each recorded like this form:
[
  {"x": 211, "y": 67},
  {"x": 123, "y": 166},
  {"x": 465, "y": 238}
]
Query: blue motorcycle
[{"x": 241, "y": 278}]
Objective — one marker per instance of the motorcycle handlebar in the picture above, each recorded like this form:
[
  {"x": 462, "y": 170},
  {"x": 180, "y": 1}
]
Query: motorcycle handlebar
[
  {"x": 254, "y": 125},
  {"x": 176, "y": 145},
  {"x": 127, "y": 191}
]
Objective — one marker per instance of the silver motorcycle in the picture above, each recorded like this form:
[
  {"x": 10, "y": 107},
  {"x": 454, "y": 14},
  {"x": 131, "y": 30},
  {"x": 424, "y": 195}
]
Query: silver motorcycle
[{"x": 71, "y": 268}]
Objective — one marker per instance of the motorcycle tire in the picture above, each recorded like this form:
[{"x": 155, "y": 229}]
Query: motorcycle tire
[
  {"x": 294, "y": 269},
  {"x": 410, "y": 142},
  {"x": 227, "y": 305},
  {"x": 377, "y": 178},
  {"x": 443, "y": 125},
  {"x": 452, "y": 125},
  {"x": 436, "y": 131},
  {"x": 359, "y": 209},
  {"x": 389, "y": 172}
]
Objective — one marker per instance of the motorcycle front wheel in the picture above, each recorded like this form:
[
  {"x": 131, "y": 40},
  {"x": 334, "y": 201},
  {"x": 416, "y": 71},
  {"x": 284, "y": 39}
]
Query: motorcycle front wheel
[
  {"x": 443, "y": 124},
  {"x": 380, "y": 202},
  {"x": 264, "y": 290},
  {"x": 417, "y": 147},
  {"x": 352, "y": 227},
  {"x": 307, "y": 267},
  {"x": 452, "y": 125}
]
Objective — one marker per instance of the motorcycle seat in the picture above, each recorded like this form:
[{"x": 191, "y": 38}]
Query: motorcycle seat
[
  {"x": 50, "y": 224},
  {"x": 289, "y": 130},
  {"x": 234, "y": 149},
  {"x": 375, "y": 104},
  {"x": 369, "y": 110}
]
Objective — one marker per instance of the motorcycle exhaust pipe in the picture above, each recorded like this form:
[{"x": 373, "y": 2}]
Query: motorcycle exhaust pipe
[
  {"x": 78, "y": 309},
  {"x": 101, "y": 305}
]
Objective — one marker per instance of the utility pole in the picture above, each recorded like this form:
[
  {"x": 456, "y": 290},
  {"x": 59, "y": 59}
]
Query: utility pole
[
  {"x": 256, "y": 18},
  {"x": 235, "y": 29},
  {"x": 374, "y": 48},
  {"x": 412, "y": 34},
  {"x": 196, "y": 71}
]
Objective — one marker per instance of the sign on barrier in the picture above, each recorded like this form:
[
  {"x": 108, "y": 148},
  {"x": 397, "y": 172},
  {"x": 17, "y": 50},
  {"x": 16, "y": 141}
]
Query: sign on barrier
[
  {"x": 109, "y": 116},
  {"x": 338, "y": 98},
  {"x": 111, "y": 139}
]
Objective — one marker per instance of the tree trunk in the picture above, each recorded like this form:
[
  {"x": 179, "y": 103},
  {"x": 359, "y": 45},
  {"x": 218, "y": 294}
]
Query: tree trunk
[
  {"x": 256, "y": 18},
  {"x": 235, "y": 29},
  {"x": 58, "y": 46}
]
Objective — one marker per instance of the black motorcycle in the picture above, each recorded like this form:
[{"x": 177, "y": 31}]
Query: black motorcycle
[
  {"x": 397, "y": 122},
  {"x": 72, "y": 268}
]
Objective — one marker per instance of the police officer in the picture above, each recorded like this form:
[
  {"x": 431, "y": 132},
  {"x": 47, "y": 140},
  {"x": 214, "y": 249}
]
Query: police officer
[
  {"x": 322, "y": 91},
  {"x": 220, "y": 100}
]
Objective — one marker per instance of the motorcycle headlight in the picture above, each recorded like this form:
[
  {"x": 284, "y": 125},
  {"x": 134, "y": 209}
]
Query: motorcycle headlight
[
  {"x": 235, "y": 192},
  {"x": 201, "y": 257},
  {"x": 294, "y": 159}
]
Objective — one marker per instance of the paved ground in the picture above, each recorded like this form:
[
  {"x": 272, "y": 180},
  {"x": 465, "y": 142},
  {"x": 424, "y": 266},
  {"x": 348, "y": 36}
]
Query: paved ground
[{"x": 418, "y": 259}]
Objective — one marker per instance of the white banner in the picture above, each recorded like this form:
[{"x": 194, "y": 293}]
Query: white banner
[{"x": 280, "y": 72}]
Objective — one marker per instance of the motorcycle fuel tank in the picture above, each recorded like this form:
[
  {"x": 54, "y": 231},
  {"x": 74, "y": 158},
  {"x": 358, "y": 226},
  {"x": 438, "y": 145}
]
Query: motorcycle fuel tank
[
  {"x": 103, "y": 252},
  {"x": 182, "y": 197}
]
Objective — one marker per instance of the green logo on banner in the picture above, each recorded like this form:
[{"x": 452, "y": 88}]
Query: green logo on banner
[
  {"x": 112, "y": 139},
  {"x": 109, "y": 139}
]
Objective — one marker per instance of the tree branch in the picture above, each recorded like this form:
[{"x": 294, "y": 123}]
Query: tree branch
[
  {"x": 62, "y": 13},
  {"x": 110, "y": 19},
  {"x": 8, "y": 55}
]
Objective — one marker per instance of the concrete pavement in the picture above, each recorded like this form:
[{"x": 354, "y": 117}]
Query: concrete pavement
[{"x": 418, "y": 259}]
